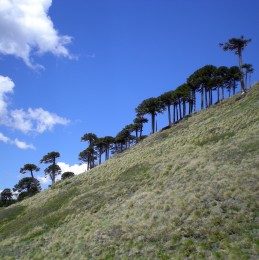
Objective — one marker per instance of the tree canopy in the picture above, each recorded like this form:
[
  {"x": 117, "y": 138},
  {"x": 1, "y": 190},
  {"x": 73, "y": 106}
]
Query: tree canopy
[
  {"x": 26, "y": 187},
  {"x": 237, "y": 45}
]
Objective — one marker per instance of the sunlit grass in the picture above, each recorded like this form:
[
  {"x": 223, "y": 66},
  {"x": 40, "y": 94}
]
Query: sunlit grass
[{"x": 188, "y": 191}]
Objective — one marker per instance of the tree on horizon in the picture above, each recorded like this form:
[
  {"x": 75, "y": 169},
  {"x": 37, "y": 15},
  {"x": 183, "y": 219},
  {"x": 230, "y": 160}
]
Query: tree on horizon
[
  {"x": 151, "y": 106},
  {"x": 90, "y": 138},
  {"x": 237, "y": 45},
  {"x": 248, "y": 70},
  {"x": 30, "y": 168},
  {"x": 26, "y": 188},
  {"x": 6, "y": 197},
  {"x": 53, "y": 170},
  {"x": 88, "y": 156}
]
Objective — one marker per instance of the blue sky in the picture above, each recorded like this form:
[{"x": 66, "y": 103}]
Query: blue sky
[{"x": 72, "y": 67}]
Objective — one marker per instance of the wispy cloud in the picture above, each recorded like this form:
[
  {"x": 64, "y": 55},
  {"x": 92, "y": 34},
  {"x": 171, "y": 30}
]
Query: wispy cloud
[
  {"x": 27, "y": 121},
  {"x": 20, "y": 144},
  {"x": 6, "y": 87},
  {"x": 26, "y": 29}
]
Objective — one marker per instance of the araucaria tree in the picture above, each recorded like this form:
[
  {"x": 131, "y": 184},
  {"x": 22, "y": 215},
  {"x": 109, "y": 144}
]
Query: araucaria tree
[
  {"x": 88, "y": 156},
  {"x": 167, "y": 100},
  {"x": 151, "y": 106},
  {"x": 30, "y": 168},
  {"x": 6, "y": 197},
  {"x": 140, "y": 120},
  {"x": 90, "y": 138},
  {"x": 26, "y": 187},
  {"x": 248, "y": 70},
  {"x": 202, "y": 80},
  {"x": 53, "y": 170},
  {"x": 237, "y": 45}
]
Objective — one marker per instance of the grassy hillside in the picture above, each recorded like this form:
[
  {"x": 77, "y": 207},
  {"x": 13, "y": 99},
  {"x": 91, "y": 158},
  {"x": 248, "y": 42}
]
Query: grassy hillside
[{"x": 188, "y": 191}]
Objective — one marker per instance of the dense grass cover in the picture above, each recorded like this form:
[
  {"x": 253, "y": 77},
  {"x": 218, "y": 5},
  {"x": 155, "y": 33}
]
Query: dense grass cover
[{"x": 188, "y": 191}]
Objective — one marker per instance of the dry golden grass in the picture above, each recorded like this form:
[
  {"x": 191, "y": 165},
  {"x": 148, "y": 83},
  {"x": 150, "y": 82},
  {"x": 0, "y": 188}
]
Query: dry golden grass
[{"x": 190, "y": 191}]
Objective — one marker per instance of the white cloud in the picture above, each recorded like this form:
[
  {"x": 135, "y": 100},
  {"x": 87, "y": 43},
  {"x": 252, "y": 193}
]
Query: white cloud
[
  {"x": 4, "y": 138},
  {"x": 76, "y": 168},
  {"x": 26, "y": 29},
  {"x": 43, "y": 180},
  {"x": 23, "y": 145},
  {"x": 20, "y": 144},
  {"x": 6, "y": 86},
  {"x": 33, "y": 120}
]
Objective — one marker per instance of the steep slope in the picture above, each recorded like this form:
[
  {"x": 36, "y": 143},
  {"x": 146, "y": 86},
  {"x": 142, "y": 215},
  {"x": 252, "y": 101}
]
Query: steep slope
[{"x": 188, "y": 191}]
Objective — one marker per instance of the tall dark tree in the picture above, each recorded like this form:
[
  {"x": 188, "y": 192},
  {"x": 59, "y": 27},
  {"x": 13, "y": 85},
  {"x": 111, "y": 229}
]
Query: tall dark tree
[
  {"x": 221, "y": 81},
  {"x": 201, "y": 79},
  {"x": 183, "y": 93},
  {"x": 233, "y": 78},
  {"x": 248, "y": 68},
  {"x": 108, "y": 141},
  {"x": 26, "y": 188},
  {"x": 124, "y": 139},
  {"x": 237, "y": 45},
  {"x": 6, "y": 197},
  {"x": 53, "y": 170},
  {"x": 151, "y": 106},
  {"x": 99, "y": 146},
  {"x": 90, "y": 138},
  {"x": 30, "y": 168},
  {"x": 134, "y": 128},
  {"x": 140, "y": 120},
  {"x": 167, "y": 100},
  {"x": 88, "y": 156}
]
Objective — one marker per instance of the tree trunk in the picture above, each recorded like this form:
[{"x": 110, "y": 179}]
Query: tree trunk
[
  {"x": 52, "y": 177},
  {"x": 206, "y": 98},
  {"x": 180, "y": 109},
  {"x": 218, "y": 94},
  {"x": 194, "y": 101},
  {"x": 184, "y": 108},
  {"x": 202, "y": 98},
  {"x": 222, "y": 92},
  {"x": 34, "y": 180},
  {"x": 241, "y": 71},
  {"x": 190, "y": 103},
  {"x": 174, "y": 114},
  {"x": 169, "y": 114},
  {"x": 100, "y": 158},
  {"x": 211, "y": 98},
  {"x": 153, "y": 122}
]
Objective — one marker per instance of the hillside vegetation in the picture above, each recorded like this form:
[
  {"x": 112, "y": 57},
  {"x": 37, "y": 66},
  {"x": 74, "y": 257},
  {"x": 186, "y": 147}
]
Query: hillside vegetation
[{"x": 189, "y": 191}]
